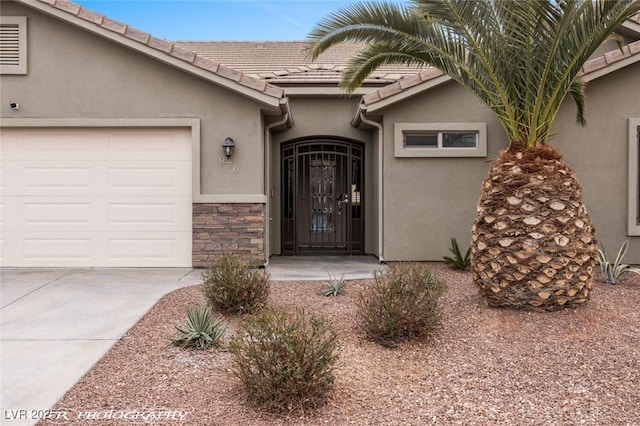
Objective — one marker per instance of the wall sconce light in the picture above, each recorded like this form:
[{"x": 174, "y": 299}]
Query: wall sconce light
[{"x": 228, "y": 147}]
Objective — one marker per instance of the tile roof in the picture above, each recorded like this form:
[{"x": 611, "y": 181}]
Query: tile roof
[
  {"x": 262, "y": 66},
  {"x": 167, "y": 47},
  {"x": 601, "y": 63},
  {"x": 285, "y": 63}
]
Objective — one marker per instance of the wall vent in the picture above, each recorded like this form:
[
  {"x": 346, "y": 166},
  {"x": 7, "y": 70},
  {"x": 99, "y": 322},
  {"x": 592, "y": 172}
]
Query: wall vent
[{"x": 13, "y": 45}]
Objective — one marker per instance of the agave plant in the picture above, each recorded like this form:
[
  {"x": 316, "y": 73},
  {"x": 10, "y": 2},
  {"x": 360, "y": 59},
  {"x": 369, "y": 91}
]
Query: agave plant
[
  {"x": 458, "y": 261},
  {"x": 614, "y": 271},
  {"x": 333, "y": 287},
  {"x": 202, "y": 329},
  {"x": 533, "y": 243}
]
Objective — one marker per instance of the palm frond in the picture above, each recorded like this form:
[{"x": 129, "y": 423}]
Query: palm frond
[{"x": 519, "y": 58}]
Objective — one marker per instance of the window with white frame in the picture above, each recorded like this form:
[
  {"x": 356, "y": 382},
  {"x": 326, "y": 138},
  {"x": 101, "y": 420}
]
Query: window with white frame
[
  {"x": 13, "y": 44},
  {"x": 634, "y": 177},
  {"x": 440, "y": 139}
]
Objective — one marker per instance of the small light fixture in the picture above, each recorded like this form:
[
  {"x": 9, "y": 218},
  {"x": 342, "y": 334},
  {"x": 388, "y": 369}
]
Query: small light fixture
[{"x": 228, "y": 147}]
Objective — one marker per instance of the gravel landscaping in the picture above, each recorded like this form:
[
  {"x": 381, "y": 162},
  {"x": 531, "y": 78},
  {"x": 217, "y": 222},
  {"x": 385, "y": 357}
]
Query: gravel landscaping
[{"x": 484, "y": 366}]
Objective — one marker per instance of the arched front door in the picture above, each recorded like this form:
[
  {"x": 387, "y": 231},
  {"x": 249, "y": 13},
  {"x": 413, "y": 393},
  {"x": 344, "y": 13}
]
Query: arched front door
[{"x": 322, "y": 187}]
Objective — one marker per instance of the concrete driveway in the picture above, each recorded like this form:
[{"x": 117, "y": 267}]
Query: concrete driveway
[{"x": 56, "y": 323}]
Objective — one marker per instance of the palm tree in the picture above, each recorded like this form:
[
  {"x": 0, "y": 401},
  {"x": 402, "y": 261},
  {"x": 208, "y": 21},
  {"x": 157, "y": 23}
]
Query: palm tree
[{"x": 533, "y": 243}]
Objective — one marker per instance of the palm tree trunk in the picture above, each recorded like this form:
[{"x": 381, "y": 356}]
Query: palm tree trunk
[{"x": 533, "y": 242}]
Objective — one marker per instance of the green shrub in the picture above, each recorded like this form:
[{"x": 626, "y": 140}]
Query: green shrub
[
  {"x": 614, "y": 271},
  {"x": 285, "y": 359},
  {"x": 458, "y": 261},
  {"x": 235, "y": 285},
  {"x": 402, "y": 302},
  {"x": 202, "y": 329},
  {"x": 333, "y": 287}
]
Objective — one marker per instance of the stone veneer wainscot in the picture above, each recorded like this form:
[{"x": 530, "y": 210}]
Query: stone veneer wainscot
[{"x": 227, "y": 228}]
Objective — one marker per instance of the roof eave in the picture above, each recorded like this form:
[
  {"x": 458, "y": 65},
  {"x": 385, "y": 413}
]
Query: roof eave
[
  {"x": 164, "y": 51},
  {"x": 611, "y": 61},
  {"x": 592, "y": 70},
  {"x": 387, "y": 101}
]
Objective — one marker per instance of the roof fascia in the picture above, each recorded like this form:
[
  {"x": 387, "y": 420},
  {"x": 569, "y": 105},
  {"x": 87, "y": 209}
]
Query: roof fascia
[
  {"x": 601, "y": 66},
  {"x": 261, "y": 97},
  {"x": 611, "y": 61},
  {"x": 633, "y": 27},
  {"x": 407, "y": 93},
  {"x": 611, "y": 68},
  {"x": 326, "y": 91}
]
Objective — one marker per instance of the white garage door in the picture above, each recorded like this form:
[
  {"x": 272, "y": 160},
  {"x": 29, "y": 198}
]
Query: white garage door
[{"x": 95, "y": 197}]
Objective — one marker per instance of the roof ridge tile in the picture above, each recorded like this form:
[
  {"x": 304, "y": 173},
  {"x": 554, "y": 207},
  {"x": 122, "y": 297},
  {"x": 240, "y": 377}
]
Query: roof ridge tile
[
  {"x": 184, "y": 54},
  {"x": 91, "y": 16},
  {"x": 114, "y": 26},
  {"x": 137, "y": 35},
  {"x": 67, "y": 6}
]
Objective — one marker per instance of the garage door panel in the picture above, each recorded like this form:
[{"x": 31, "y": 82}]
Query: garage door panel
[
  {"x": 96, "y": 197},
  {"x": 56, "y": 213},
  {"x": 55, "y": 178},
  {"x": 62, "y": 145},
  {"x": 150, "y": 213},
  {"x": 166, "y": 146},
  {"x": 148, "y": 249},
  {"x": 53, "y": 248},
  {"x": 51, "y": 178},
  {"x": 166, "y": 178}
]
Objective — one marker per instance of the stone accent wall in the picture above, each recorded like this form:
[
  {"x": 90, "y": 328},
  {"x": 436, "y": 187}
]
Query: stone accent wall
[{"x": 227, "y": 228}]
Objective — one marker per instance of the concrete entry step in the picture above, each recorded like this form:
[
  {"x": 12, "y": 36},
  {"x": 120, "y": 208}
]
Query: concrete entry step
[{"x": 319, "y": 268}]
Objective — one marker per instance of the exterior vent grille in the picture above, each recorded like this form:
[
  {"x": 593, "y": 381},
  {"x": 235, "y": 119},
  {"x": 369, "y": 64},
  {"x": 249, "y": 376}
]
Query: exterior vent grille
[
  {"x": 13, "y": 45},
  {"x": 9, "y": 44}
]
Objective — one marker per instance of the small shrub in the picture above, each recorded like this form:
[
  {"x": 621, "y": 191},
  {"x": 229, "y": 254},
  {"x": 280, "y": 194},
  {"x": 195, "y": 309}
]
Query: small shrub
[
  {"x": 333, "y": 287},
  {"x": 285, "y": 359},
  {"x": 235, "y": 285},
  {"x": 614, "y": 271},
  {"x": 458, "y": 261},
  {"x": 202, "y": 329},
  {"x": 402, "y": 302}
]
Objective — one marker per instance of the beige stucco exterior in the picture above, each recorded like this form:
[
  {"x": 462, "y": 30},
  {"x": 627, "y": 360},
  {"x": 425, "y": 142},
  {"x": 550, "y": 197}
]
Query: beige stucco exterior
[
  {"x": 74, "y": 74},
  {"x": 412, "y": 207},
  {"x": 429, "y": 200},
  {"x": 599, "y": 153}
]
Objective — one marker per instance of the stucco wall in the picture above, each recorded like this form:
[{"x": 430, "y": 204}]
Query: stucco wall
[
  {"x": 429, "y": 200},
  {"x": 328, "y": 117},
  {"x": 75, "y": 74},
  {"x": 599, "y": 153}
]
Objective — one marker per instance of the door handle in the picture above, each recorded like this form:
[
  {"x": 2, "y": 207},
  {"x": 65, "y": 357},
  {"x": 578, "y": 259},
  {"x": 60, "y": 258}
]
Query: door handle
[{"x": 342, "y": 200}]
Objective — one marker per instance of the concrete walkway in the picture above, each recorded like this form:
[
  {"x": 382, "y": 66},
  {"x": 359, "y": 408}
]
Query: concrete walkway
[
  {"x": 56, "y": 323},
  {"x": 319, "y": 268}
]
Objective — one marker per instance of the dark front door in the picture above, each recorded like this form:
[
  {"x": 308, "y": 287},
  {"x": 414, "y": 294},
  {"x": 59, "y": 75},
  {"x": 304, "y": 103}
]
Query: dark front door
[{"x": 322, "y": 198}]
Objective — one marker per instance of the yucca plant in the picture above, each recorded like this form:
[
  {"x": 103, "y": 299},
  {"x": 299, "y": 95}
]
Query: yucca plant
[
  {"x": 533, "y": 243},
  {"x": 333, "y": 287},
  {"x": 202, "y": 329},
  {"x": 614, "y": 271},
  {"x": 458, "y": 261}
]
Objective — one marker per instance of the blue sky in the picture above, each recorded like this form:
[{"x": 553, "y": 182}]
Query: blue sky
[{"x": 219, "y": 19}]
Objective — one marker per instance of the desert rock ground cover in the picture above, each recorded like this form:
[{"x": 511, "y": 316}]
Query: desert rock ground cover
[{"x": 484, "y": 366}]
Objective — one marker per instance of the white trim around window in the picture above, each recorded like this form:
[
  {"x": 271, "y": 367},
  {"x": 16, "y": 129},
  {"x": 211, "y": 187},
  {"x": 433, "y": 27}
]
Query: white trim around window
[
  {"x": 432, "y": 139},
  {"x": 633, "y": 215}
]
